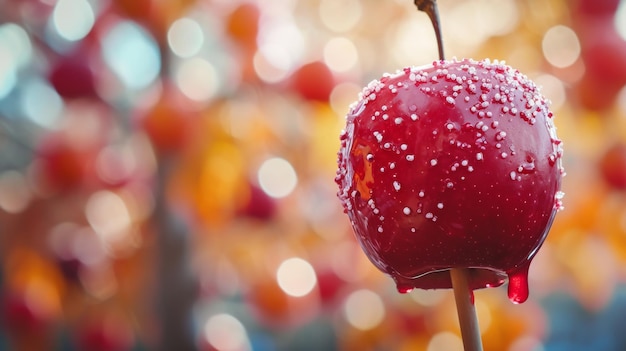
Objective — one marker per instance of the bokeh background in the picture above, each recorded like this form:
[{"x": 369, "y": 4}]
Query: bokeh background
[{"x": 166, "y": 174}]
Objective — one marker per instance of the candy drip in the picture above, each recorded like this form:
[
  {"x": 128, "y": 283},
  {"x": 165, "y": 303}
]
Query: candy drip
[{"x": 518, "y": 284}]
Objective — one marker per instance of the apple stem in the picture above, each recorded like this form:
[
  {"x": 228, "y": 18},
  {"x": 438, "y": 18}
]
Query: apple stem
[
  {"x": 464, "y": 297},
  {"x": 430, "y": 7}
]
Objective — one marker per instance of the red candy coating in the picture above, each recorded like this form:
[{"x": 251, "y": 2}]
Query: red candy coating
[{"x": 454, "y": 164}]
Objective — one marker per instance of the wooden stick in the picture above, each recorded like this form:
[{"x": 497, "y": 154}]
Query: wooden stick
[{"x": 464, "y": 297}]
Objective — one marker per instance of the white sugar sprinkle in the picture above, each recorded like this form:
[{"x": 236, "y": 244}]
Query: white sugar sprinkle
[
  {"x": 379, "y": 137},
  {"x": 406, "y": 211}
]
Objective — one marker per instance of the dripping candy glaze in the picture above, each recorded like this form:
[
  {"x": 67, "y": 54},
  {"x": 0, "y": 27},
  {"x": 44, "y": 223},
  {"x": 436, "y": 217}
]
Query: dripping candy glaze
[{"x": 453, "y": 164}]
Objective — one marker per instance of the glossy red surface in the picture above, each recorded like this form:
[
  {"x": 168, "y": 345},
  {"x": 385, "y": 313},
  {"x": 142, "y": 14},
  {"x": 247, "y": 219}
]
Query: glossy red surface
[{"x": 454, "y": 164}]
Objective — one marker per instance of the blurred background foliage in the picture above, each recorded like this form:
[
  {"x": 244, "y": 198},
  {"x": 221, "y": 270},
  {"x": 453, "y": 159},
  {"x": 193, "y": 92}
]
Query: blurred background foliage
[{"x": 166, "y": 174}]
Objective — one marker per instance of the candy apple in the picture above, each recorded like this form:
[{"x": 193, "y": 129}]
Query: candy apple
[
  {"x": 613, "y": 166},
  {"x": 272, "y": 306},
  {"x": 604, "y": 56},
  {"x": 106, "y": 334},
  {"x": 455, "y": 164},
  {"x": 62, "y": 165},
  {"x": 168, "y": 121},
  {"x": 20, "y": 314},
  {"x": 72, "y": 77},
  {"x": 155, "y": 15},
  {"x": 242, "y": 24},
  {"x": 603, "y": 52},
  {"x": 330, "y": 285},
  {"x": 595, "y": 7},
  {"x": 313, "y": 81},
  {"x": 258, "y": 204}
]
